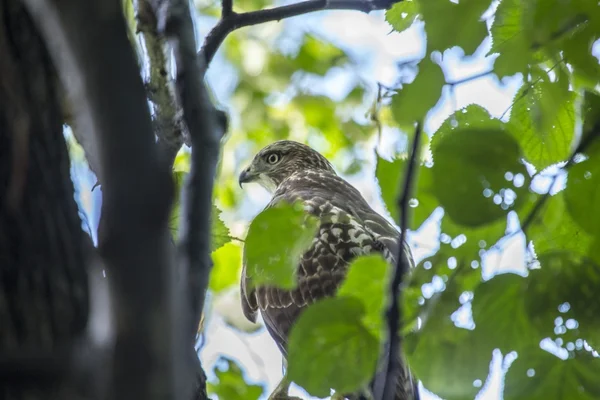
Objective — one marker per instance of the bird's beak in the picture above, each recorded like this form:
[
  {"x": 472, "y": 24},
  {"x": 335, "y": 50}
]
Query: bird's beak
[{"x": 246, "y": 176}]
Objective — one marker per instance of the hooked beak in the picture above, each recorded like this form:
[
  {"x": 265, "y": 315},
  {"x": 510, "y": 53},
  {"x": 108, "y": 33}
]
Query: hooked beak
[{"x": 246, "y": 176}]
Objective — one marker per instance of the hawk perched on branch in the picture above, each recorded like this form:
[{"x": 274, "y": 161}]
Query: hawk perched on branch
[{"x": 349, "y": 227}]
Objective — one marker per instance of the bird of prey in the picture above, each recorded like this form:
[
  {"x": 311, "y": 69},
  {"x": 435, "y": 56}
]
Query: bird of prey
[{"x": 348, "y": 227}]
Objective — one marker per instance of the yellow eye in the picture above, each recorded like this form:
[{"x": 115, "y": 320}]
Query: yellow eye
[{"x": 273, "y": 158}]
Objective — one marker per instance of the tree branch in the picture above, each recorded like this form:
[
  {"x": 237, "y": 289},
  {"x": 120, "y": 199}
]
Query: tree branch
[
  {"x": 168, "y": 124},
  {"x": 89, "y": 44},
  {"x": 226, "y": 8},
  {"x": 394, "y": 312},
  {"x": 206, "y": 126},
  {"x": 230, "y": 21},
  {"x": 206, "y": 130}
]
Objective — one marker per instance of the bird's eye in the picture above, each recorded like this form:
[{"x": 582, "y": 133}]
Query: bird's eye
[{"x": 273, "y": 158}]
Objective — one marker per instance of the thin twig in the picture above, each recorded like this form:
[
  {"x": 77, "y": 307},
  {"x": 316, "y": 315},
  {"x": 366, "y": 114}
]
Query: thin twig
[
  {"x": 394, "y": 312},
  {"x": 470, "y": 78},
  {"x": 230, "y": 21}
]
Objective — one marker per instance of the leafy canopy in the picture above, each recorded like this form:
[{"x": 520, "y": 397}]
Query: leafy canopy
[{"x": 490, "y": 177}]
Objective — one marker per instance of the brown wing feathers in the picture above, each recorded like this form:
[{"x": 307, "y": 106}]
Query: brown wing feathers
[{"x": 341, "y": 237}]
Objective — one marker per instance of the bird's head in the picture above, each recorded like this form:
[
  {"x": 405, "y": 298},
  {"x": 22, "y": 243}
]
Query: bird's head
[{"x": 277, "y": 161}]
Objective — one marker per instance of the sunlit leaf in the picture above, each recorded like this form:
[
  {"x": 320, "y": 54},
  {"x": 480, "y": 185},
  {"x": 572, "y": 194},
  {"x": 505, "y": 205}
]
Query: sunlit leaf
[
  {"x": 368, "y": 281},
  {"x": 415, "y": 99},
  {"x": 230, "y": 384},
  {"x": 525, "y": 33},
  {"x": 276, "y": 239},
  {"x": 554, "y": 96},
  {"x": 226, "y": 269},
  {"x": 509, "y": 39},
  {"x": 330, "y": 334},
  {"x": 449, "y": 24},
  {"x": 402, "y": 15},
  {"x": 578, "y": 53},
  {"x": 471, "y": 116},
  {"x": 553, "y": 228},
  {"x": 219, "y": 232},
  {"x": 553, "y": 144}
]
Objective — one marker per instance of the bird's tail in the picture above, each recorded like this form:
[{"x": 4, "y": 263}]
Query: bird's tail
[{"x": 407, "y": 387}]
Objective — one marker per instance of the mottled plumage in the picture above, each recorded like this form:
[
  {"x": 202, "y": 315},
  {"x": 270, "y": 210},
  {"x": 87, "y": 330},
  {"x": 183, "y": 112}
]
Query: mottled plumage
[{"x": 348, "y": 228}]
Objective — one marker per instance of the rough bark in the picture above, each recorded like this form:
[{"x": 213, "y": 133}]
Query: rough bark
[{"x": 43, "y": 279}]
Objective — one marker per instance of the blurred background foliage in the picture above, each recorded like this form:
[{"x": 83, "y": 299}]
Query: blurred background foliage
[{"x": 505, "y": 223}]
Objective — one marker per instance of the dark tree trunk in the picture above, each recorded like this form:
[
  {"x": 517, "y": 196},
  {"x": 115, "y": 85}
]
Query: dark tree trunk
[{"x": 43, "y": 278}]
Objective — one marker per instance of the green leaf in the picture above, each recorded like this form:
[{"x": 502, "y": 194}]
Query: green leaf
[
  {"x": 543, "y": 147},
  {"x": 390, "y": 175},
  {"x": 317, "y": 57},
  {"x": 330, "y": 348},
  {"x": 402, "y": 15},
  {"x": 539, "y": 375},
  {"x": 448, "y": 24},
  {"x": 178, "y": 180},
  {"x": 368, "y": 281},
  {"x": 437, "y": 353},
  {"x": 553, "y": 228},
  {"x": 591, "y": 112},
  {"x": 227, "y": 266},
  {"x": 582, "y": 193},
  {"x": 508, "y": 39},
  {"x": 500, "y": 315},
  {"x": 553, "y": 96},
  {"x": 230, "y": 383},
  {"x": 219, "y": 233},
  {"x": 415, "y": 99},
  {"x": 577, "y": 50},
  {"x": 565, "y": 279},
  {"x": 469, "y": 175},
  {"x": 471, "y": 116},
  {"x": 483, "y": 236},
  {"x": 276, "y": 240},
  {"x": 525, "y": 33}
]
